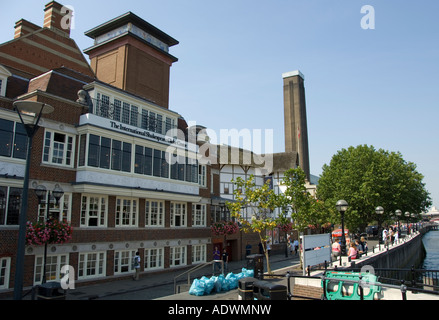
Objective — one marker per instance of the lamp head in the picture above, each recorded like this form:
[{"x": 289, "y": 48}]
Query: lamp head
[{"x": 341, "y": 205}]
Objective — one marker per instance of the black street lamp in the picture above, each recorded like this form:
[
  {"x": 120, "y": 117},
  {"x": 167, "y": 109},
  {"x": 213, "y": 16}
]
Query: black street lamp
[
  {"x": 57, "y": 193},
  {"x": 379, "y": 211},
  {"x": 30, "y": 114},
  {"x": 342, "y": 206},
  {"x": 398, "y": 214}
]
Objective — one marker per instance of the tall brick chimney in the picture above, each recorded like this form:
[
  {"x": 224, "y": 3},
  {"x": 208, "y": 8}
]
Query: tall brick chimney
[
  {"x": 55, "y": 17},
  {"x": 296, "y": 127}
]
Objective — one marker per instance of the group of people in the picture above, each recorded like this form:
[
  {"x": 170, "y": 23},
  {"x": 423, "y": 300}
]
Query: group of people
[
  {"x": 293, "y": 245},
  {"x": 356, "y": 249},
  {"x": 390, "y": 235},
  {"x": 218, "y": 256}
]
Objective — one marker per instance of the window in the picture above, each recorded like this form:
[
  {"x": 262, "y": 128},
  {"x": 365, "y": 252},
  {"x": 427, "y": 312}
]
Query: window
[
  {"x": 154, "y": 259},
  {"x": 177, "y": 256},
  {"x": 160, "y": 164},
  {"x": 94, "y": 211},
  {"x": 123, "y": 261},
  {"x": 143, "y": 160},
  {"x": 58, "y": 148},
  {"x": 117, "y": 110},
  {"x": 199, "y": 253},
  {"x": 198, "y": 215},
  {"x": 91, "y": 265},
  {"x": 178, "y": 214},
  {"x": 202, "y": 175},
  {"x": 126, "y": 113},
  {"x": 54, "y": 263},
  {"x": 144, "y": 124},
  {"x": 60, "y": 211},
  {"x": 103, "y": 105},
  {"x": 105, "y": 153},
  {"x": 5, "y": 267},
  {"x": 154, "y": 213},
  {"x": 10, "y": 202},
  {"x": 13, "y": 140},
  {"x": 134, "y": 116},
  {"x": 116, "y": 155},
  {"x": 126, "y": 212}
]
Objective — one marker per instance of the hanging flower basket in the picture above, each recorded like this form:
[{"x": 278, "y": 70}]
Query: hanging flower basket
[
  {"x": 224, "y": 228},
  {"x": 49, "y": 232},
  {"x": 285, "y": 227}
]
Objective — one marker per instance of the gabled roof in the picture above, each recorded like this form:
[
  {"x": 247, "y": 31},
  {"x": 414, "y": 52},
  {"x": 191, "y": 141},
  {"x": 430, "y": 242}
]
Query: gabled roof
[{"x": 42, "y": 50}]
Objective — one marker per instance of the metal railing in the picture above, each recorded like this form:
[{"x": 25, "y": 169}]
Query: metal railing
[
  {"x": 177, "y": 288},
  {"x": 403, "y": 286}
]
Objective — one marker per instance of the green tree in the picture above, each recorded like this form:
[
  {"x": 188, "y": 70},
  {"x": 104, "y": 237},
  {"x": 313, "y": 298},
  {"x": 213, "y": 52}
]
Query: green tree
[
  {"x": 262, "y": 201},
  {"x": 367, "y": 178},
  {"x": 306, "y": 211}
]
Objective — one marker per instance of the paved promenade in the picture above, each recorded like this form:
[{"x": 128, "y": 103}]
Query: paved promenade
[{"x": 161, "y": 286}]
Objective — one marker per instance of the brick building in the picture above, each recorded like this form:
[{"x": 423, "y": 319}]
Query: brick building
[{"x": 128, "y": 165}]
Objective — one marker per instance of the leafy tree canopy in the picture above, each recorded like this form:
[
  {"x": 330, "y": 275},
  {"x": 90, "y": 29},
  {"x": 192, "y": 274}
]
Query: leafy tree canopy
[{"x": 367, "y": 178}]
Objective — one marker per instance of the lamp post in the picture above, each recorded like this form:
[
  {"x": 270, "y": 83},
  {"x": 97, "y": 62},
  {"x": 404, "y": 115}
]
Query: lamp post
[
  {"x": 32, "y": 112},
  {"x": 379, "y": 211},
  {"x": 398, "y": 214},
  {"x": 57, "y": 193},
  {"x": 342, "y": 206}
]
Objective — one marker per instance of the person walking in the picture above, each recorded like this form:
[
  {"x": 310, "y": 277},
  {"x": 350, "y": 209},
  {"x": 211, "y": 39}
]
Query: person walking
[
  {"x": 225, "y": 257},
  {"x": 352, "y": 253},
  {"x": 336, "y": 250},
  {"x": 136, "y": 266},
  {"x": 217, "y": 260},
  {"x": 296, "y": 246}
]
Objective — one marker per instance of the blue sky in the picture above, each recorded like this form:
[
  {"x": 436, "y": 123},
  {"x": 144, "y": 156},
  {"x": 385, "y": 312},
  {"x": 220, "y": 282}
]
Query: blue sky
[{"x": 378, "y": 87}]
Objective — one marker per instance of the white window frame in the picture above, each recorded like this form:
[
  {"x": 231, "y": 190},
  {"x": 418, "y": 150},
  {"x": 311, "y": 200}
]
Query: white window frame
[
  {"x": 63, "y": 209},
  {"x": 198, "y": 215},
  {"x": 154, "y": 208},
  {"x": 202, "y": 175},
  {"x": 199, "y": 253},
  {"x": 178, "y": 256},
  {"x": 50, "y": 150},
  {"x": 52, "y": 275},
  {"x": 98, "y": 264},
  {"x": 178, "y": 210},
  {"x": 5, "y": 270},
  {"x": 101, "y": 209},
  {"x": 123, "y": 261},
  {"x": 154, "y": 259},
  {"x": 129, "y": 218}
]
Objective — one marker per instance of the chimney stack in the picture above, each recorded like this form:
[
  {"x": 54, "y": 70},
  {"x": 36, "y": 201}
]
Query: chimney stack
[
  {"x": 23, "y": 27},
  {"x": 54, "y": 18},
  {"x": 296, "y": 127}
]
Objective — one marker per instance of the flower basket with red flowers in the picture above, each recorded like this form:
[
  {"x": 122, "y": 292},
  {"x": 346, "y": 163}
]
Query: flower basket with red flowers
[
  {"x": 224, "y": 228},
  {"x": 49, "y": 232}
]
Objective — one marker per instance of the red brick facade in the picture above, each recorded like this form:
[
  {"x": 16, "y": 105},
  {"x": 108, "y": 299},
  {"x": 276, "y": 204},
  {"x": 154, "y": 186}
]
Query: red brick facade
[{"x": 47, "y": 66}]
